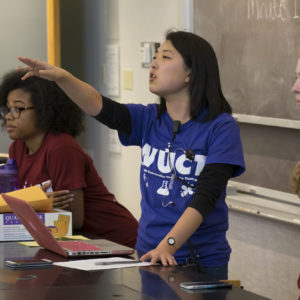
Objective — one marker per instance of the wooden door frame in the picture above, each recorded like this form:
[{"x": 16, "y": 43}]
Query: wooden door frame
[{"x": 53, "y": 32}]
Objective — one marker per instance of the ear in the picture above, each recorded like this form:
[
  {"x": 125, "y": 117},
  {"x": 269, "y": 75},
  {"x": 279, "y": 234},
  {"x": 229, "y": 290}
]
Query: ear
[{"x": 188, "y": 77}]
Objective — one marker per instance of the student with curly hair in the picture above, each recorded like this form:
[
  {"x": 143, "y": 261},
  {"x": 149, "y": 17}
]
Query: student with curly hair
[{"x": 43, "y": 122}]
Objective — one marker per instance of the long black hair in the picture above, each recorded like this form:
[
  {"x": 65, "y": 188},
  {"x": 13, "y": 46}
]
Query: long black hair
[
  {"x": 55, "y": 112},
  {"x": 204, "y": 85}
]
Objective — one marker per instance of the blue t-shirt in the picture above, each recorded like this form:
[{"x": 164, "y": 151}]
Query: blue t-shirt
[{"x": 216, "y": 141}]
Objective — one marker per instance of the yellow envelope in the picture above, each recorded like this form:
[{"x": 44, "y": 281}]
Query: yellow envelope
[{"x": 34, "y": 195}]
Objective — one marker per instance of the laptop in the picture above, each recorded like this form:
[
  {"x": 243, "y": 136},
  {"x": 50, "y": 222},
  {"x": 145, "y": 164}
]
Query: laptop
[{"x": 45, "y": 239}]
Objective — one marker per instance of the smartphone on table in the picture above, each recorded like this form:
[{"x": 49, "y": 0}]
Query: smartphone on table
[
  {"x": 203, "y": 285},
  {"x": 28, "y": 263}
]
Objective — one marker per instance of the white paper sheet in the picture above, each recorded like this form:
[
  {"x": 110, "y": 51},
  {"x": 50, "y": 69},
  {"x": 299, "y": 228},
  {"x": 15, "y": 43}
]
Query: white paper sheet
[{"x": 90, "y": 264}]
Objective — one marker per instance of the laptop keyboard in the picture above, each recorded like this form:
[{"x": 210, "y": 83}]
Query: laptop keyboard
[{"x": 78, "y": 246}]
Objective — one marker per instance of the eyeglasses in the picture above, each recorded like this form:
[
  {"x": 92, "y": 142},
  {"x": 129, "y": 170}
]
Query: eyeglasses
[{"x": 14, "y": 111}]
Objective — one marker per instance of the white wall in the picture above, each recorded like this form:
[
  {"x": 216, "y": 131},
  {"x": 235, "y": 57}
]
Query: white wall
[
  {"x": 23, "y": 32},
  {"x": 127, "y": 23}
]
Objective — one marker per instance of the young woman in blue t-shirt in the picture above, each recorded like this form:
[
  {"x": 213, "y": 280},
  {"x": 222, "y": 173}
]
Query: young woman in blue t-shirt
[{"x": 190, "y": 148}]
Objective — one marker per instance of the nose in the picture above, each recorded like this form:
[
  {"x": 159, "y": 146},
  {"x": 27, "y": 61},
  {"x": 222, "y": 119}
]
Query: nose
[
  {"x": 8, "y": 116},
  {"x": 154, "y": 64},
  {"x": 296, "y": 86}
]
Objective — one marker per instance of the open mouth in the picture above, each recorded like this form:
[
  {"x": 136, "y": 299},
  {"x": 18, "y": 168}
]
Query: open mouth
[{"x": 152, "y": 76}]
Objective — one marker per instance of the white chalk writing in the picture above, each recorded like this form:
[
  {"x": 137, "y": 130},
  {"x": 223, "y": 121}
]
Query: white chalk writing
[{"x": 273, "y": 9}]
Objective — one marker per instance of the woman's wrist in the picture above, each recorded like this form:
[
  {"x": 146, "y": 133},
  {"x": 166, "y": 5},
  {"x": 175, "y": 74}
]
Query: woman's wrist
[
  {"x": 168, "y": 244},
  {"x": 172, "y": 242}
]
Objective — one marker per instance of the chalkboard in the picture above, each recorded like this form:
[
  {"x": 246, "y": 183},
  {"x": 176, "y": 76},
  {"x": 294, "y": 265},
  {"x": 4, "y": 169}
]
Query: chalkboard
[{"x": 257, "y": 43}]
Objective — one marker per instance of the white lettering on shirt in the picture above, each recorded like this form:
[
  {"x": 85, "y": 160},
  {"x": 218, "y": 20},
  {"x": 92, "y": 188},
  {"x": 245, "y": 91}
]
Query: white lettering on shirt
[
  {"x": 147, "y": 156},
  {"x": 182, "y": 164}
]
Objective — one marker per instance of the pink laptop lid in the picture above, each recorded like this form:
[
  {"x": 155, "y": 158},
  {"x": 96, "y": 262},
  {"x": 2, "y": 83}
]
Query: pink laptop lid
[{"x": 33, "y": 224}]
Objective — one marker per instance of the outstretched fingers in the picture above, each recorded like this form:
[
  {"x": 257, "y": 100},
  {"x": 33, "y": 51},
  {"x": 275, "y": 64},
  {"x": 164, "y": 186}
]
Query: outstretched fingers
[
  {"x": 154, "y": 256},
  {"x": 34, "y": 67},
  {"x": 34, "y": 63},
  {"x": 28, "y": 74}
]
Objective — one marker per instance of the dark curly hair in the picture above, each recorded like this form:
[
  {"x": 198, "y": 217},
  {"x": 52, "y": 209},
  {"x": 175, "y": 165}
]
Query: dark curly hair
[{"x": 55, "y": 112}]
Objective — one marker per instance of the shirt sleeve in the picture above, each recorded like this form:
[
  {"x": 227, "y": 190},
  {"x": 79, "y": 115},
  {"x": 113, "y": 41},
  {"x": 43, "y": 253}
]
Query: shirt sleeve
[
  {"x": 142, "y": 120},
  {"x": 225, "y": 146},
  {"x": 67, "y": 168},
  {"x": 210, "y": 185},
  {"x": 115, "y": 116}
]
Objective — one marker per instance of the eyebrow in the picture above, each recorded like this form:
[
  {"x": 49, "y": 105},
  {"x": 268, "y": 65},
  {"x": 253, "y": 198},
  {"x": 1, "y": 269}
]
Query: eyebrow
[
  {"x": 17, "y": 102},
  {"x": 165, "y": 50}
]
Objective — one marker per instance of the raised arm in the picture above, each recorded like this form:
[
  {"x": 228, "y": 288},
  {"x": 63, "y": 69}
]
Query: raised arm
[{"x": 84, "y": 95}]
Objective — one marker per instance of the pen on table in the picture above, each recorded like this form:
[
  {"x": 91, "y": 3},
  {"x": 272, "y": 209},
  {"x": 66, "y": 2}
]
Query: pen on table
[{"x": 122, "y": 262}]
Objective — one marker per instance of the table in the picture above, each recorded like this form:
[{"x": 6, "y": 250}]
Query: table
[{"x": 154, "y": 282}]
